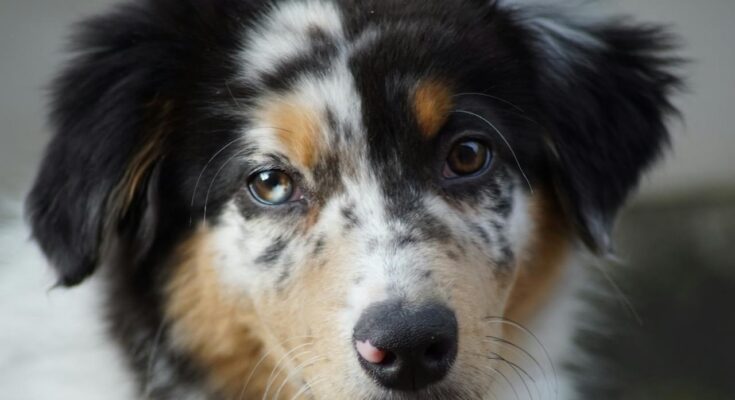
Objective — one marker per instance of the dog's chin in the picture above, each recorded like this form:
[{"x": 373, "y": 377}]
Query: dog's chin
[
  {"x": 434, "y": 393},
  {"x": 369, "y": 390}
]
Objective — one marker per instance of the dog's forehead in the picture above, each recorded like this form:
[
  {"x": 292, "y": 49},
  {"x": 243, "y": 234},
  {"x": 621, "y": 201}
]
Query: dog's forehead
[{"x": 318, "y": 93}]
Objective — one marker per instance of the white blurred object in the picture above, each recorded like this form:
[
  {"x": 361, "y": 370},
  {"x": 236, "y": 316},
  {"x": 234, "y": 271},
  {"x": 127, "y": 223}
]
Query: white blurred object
[{"x": 52, "y": 342}]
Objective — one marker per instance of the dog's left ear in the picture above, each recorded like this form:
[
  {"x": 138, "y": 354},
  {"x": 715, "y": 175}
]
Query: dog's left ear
[
  {"x": 604, "y": 89},
  {"x": 98, "y": 177}
]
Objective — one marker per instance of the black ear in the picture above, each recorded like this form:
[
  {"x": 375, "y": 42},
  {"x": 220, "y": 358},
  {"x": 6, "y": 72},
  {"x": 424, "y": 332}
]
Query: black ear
[
  {"x": 604, "y": 88},
  {"x": 106, "y": 112}
]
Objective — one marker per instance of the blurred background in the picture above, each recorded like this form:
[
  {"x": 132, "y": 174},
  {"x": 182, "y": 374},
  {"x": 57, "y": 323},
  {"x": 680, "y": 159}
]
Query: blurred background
[{"x": 676, "y": 239}]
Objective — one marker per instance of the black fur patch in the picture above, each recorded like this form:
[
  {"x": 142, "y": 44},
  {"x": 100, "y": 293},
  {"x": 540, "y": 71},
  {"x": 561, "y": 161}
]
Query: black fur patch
[
  {"x": 273, "y": 252},
  {"x": 352, "y": 221},
  {"x": 481, "y": 233},
  {"x": 316, "y": 59},
  {"x": 319, "y": 246},
  {"x": 406, "y": 240}
]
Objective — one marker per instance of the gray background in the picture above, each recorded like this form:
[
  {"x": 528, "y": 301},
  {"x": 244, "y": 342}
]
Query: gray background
[{"x": 33, "y": 32}]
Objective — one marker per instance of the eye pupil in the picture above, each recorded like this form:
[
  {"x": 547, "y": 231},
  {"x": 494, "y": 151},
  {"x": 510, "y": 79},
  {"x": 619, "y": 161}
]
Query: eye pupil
[
  {"x": 272, "y": 187},
  {"x": 467, "y": 158}
]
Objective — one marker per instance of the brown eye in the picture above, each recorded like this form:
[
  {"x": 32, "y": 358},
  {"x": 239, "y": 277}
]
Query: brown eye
[
  {"x": 272, "y": 187},
  {"x": 468, "y": 157}
]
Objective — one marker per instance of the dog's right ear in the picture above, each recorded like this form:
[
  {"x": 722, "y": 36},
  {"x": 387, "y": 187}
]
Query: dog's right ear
[
  {"x": 606, "y": 90},
  {"x": 106, "y": 108}
]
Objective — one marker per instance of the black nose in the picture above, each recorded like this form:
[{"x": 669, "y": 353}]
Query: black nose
[{"x": 406, "y": 348}]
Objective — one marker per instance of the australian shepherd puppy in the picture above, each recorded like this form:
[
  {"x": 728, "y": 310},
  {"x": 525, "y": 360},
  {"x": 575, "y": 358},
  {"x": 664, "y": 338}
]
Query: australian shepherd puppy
[{"x": 340, "y": 199}]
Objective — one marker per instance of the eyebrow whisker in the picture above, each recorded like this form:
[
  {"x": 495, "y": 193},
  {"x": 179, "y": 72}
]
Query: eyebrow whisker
[
  {"x": 211, "y": 160},
  {"x": 201, "y": 174},
  {"x": 232, "y": 96},
  {"x": 500, "y": 99},
  {"x": 507, "y": 143}
]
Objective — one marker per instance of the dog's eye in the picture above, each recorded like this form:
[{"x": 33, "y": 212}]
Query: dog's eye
[
  {"x": 468, "y": 157},
  {"x": 272, "y": 187}
]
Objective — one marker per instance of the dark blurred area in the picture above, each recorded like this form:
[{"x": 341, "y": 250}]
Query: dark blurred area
[{"x": 669, "y": 334}]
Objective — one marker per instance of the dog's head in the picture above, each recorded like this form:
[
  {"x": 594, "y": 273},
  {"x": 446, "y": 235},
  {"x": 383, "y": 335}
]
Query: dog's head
[{"x": 342, "y": 191}]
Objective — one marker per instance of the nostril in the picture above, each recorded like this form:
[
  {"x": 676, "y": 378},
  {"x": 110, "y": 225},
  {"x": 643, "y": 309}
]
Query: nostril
[
  {"x": 370, "y": 353},
  {"x": 437, "y": 352},
  {"x": 390, "y": 359}
]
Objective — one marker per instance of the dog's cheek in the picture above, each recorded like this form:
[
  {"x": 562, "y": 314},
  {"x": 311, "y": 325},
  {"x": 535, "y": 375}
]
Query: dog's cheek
[
  {"x": 230, "y": 310},
  {"x": 479, "y": 269},
  {"x": 213, "y": 324},
  {"x": 484, "y": 249},
  {"x": 546, "y": 252},
  {"x": 304, "y": 316},
  {"x": 477, "y": 292}
]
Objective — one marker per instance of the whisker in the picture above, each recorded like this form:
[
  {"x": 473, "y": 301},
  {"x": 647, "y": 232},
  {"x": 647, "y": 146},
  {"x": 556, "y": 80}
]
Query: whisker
[
  {"x": 260, "y": 361},
  {"x": 229, "y": 90},
  {"x": 508, "y": 381},
  {"x": 252, "y": 372},
  {"x": 204, "y": 169},
  {"x": 619, "y": 292},
  {"x": 518, "y": 113},
  {"x": 492, "y": 393},
  {"x": 499, "y": 372},
  {"x": 217, "y": 154},
  {"x": 518, "y": 370},
  {"x": 214, "y": 179},
  {"x": 277, "y": 368},
  {"x": 521, "y": 113},
  {"x": 500, "y": 99},
  {"x": 503, "y": 320},
  {"x": 524, "y": 117},
  {"x": 307, "y": 363},
  {"x": 307, "y": 387},
  {"x": 527, "y": 354},
  {"x": 507, "y": 143},
  {"x": 280, "y": 370},
  {"x": 152, "y": 359}
]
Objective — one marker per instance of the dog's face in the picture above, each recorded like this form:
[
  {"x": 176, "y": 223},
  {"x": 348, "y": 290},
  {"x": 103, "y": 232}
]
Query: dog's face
[
  {"x": 367, "y": 195},
  {"x": 339, "y": 198}
]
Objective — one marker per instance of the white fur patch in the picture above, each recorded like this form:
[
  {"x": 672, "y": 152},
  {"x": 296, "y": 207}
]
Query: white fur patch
[
  {"x": 562, "y": 29},
  {"x": 370, "y": 207},
  {"x": 284, "y": 33},
  {"x": 520, "y": 223},
  {"x": 237, "y": 243}
]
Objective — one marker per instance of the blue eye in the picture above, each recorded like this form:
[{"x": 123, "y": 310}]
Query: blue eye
[
  {"x": 466, "y": 158},
  {"x": 272, "y": 187}
]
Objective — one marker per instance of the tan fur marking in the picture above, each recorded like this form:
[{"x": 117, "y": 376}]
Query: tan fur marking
[
  {"x": 432, "y": 103},
  {"x": 217, "y": 327},
  {"x": 298, "y": 127},
  {"x": 142, "y": 161},
  {"x": 311, "y": 218},
  {"x": 540, "y": 271}
]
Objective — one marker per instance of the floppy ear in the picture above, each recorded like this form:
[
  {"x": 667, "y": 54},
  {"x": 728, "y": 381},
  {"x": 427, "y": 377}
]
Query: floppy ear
[
  {"x": 107, "y": 139},
  {"x": 604, "y": 89}
]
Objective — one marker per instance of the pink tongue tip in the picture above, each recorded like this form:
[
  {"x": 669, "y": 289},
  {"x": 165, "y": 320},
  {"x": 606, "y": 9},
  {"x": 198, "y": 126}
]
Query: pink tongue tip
[{"x": 369, "y": 352}]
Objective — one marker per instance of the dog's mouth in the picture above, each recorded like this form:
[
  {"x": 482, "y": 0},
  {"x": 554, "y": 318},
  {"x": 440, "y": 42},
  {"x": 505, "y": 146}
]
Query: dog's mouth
[
  {"x": 438, "y": 392},
  {"x": 413, "y": 352}
]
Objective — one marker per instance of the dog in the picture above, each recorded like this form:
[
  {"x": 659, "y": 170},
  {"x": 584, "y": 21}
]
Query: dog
[{"x": 340, "y": 199}]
